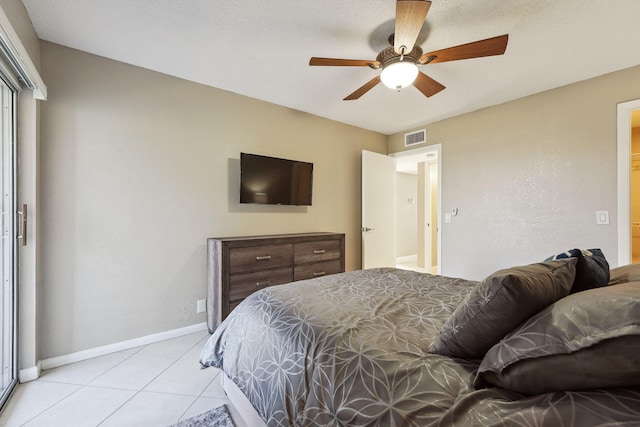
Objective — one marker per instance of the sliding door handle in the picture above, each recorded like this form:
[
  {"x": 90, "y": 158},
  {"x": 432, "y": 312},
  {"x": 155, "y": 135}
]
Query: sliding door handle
[{"x": 23, "y": 221}]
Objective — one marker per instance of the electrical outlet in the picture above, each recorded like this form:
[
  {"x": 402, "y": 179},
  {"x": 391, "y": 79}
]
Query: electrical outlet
[{"x": 201, "y": 305}]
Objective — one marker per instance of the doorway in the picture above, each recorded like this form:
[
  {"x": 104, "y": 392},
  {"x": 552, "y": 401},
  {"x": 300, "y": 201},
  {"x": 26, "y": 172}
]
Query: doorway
[
  {"x": 628, "y": 144},
  {"x": 417, "y": 209},
  {"x": 635, "y": 186}
]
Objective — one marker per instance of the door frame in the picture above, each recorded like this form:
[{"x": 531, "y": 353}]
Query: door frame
[
  {"x": 624, "y": 179},
  {"x": 429, "y": 149}
]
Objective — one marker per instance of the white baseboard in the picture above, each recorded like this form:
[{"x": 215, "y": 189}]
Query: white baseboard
[
  {"x": 406, "y": 259},
  {"x": 79, "y": 356},
  {"x": 30, "y": 374}
]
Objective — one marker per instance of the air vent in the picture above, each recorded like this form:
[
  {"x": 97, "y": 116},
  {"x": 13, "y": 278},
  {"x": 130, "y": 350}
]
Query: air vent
[{"x": 414, "y": 138}]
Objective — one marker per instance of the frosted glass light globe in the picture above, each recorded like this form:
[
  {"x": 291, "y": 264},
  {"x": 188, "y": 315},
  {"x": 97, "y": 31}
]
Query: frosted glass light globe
[{"x": 399, "y": 74}]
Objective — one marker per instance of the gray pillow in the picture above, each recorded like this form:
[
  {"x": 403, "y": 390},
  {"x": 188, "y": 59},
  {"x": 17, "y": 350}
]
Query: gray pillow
[
  {"x": 500, "y": 303},
  {"x": 587, "y": 340}
]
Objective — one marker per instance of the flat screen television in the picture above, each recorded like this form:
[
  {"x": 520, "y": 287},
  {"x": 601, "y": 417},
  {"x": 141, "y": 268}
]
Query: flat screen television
[{"x": 274, "y": 181}]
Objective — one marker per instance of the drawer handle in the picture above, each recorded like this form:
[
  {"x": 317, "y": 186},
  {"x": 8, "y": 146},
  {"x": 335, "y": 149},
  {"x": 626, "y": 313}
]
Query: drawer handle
[
  {"x": 318, "y": 274},
  {"x": 318, "y": 252},
  {"x": 263, "y": 258},
  {"x": 267, "y": 283}
]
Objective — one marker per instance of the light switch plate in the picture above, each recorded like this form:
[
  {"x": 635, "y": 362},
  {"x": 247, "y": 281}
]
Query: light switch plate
[{"x": 602, "y": 217}]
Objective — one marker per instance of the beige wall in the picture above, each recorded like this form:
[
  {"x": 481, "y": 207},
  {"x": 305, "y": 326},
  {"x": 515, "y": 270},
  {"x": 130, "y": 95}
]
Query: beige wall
[
  {"x": 139, "y": 168},
  {"x": 529, "y": 175}
]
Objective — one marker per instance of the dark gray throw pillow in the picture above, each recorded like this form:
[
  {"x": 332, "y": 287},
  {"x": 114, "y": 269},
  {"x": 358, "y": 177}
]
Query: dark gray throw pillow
[
  {"x": 592, "y": 270},
  {"x": 500, "y": 303},
  {"x": 587, "y": 340}
]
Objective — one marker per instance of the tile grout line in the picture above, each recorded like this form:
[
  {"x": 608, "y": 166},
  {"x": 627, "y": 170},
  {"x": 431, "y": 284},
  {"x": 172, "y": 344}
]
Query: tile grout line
[
  {"x": 199, "y": 396},
  {"x": 43, "y": 378},
  {"x": 80, "y": 386},
  {"x": 205, "y": 339},
  {"x": 88, "y": 384},
  {"x": 137, "y": 392}
]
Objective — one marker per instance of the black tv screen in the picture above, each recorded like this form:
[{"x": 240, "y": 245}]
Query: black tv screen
[{"x": 274, "y": 181}]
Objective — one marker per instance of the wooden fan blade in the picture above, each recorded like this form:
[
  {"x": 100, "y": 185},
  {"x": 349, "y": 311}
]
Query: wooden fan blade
[
  {"x": 363, "y": 89},
  {"x": 487, "y": 47},
  {"x": 343, "y": 62},
  {"x": 410, "y": 16},
  {"x": 427, "y": 85}
]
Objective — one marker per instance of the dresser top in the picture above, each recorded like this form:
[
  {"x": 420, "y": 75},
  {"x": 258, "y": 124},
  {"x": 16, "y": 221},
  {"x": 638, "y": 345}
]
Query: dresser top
[{"x": 322, "y": 234}]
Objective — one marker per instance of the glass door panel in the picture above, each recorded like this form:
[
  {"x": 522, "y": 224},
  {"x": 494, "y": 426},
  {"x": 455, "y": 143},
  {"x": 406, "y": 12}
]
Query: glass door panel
[{"x": 8, "y": 248}]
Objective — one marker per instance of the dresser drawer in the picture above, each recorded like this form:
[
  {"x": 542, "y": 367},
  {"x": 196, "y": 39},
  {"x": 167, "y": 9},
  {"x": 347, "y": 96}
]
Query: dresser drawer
[
  {"x": 316, "y": 270},
  {"x": 259, "y": 257},
  {"x": 239, "y": 266},
  {"x": 243, "y": 285},
  {"x": 317, "y": 251}
]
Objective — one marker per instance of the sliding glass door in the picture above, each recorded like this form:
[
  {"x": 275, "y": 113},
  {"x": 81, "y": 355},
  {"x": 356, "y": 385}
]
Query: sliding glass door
[{"x": 8, "y": 248}]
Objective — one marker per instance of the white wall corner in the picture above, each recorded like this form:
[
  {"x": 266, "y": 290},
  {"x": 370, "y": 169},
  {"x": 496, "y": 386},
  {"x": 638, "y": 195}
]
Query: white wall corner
[{"x": 30, "y": 374}]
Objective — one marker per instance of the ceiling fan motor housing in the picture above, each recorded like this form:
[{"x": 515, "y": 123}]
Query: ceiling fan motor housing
[{"x": 389, "y": 56}]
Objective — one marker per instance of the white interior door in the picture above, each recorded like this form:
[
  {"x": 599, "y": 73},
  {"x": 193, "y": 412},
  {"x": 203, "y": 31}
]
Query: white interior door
[{"x": 378, "y": 210}]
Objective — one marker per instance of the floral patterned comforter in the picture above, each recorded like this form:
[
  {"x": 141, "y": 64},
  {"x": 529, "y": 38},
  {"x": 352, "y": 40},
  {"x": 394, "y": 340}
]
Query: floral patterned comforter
[{"x": 351, "y": 349}]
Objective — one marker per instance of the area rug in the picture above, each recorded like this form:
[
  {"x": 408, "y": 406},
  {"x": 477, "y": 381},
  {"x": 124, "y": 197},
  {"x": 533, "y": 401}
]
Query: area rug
[{"x": 218, "y": 417}]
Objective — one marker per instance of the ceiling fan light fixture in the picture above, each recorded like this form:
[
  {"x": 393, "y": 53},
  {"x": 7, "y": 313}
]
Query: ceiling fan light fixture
[{"x": 400, "y": 74}]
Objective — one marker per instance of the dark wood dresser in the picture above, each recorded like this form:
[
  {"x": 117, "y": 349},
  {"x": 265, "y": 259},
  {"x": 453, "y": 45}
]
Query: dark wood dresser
[{"x": 239, "y": 266}]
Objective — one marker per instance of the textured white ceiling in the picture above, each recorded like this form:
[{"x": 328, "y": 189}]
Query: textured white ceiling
[{"x": 261, "y": 49}]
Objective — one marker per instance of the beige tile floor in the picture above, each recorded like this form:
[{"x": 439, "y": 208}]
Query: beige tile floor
[{"x": 155, "y": 385}]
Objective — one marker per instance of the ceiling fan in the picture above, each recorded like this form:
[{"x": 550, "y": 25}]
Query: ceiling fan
[{"x": 399, "y": 62}]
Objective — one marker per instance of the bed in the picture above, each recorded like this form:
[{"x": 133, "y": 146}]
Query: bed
[{"x": 390, "y": 347}]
